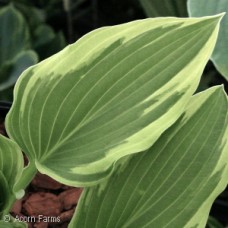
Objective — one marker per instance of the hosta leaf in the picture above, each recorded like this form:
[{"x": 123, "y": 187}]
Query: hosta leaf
[
  {"x": 4, "y": 224},
  {"x": 4, "y": 193},
  {"x": 34, "y": 16},
  {"x": 14, "y": 42},
  {"x": 47, "y": 42},
  {"x": 11, "y": 70},
  {"x": 199, "y": 8},
  {"x": 174, "y": 183},
  {"x": 14, "y": 36},
  {"x": 112, "y": 93},
  {"x": 11, "y": 165},
  {"x": 162, "y": 8}
]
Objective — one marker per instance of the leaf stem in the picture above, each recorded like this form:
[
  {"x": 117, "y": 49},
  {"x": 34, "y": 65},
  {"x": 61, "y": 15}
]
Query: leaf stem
[
  {"x": 8, "y": 207},
  {"x": 28, "y": 174},
  {"x": 26, "y": 177}
]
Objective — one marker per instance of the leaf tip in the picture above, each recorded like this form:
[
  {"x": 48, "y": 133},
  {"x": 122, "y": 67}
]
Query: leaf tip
[
  {"x": 219, "y": 16},
  {"x": 215, "y": 19},
  {"x": 217, "y": 88},
  {"x": 220, "y": 89}
]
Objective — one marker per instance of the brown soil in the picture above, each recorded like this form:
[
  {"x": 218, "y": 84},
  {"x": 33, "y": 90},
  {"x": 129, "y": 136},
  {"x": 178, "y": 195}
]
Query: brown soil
[{"x": 47, "y": 203}]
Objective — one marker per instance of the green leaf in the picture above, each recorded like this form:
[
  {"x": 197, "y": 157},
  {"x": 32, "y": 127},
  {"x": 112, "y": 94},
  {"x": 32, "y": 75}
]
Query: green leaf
[
  {"x": 43, "y": 35},
  {"x": 162, "y": 8},
  {"x": 11, "y": 70},
  {"x": 175, "y": 182},
  {"x": 14, "y": 36},
  {"x": 111, "y": 94},
  {"x": 47, "y": 42},
  {"x": 5, "y": 192},
  {"x": 11, "y": 165},
  {"x": 199, "y": 8},
  {"x": 4, "y": 224},
  {"x": 14, "y": 42},
  {"x": 34, "y": 16}
]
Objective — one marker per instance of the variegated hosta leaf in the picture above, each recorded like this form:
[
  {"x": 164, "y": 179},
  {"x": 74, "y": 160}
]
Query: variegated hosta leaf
[
  {"x": 112, "y": 93},
  {"x": 162, "y": 8},
  {"x": 199, "y": 8},
  {"x": 174, "y": 183},
  {"x": 11, "y": 165}
]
